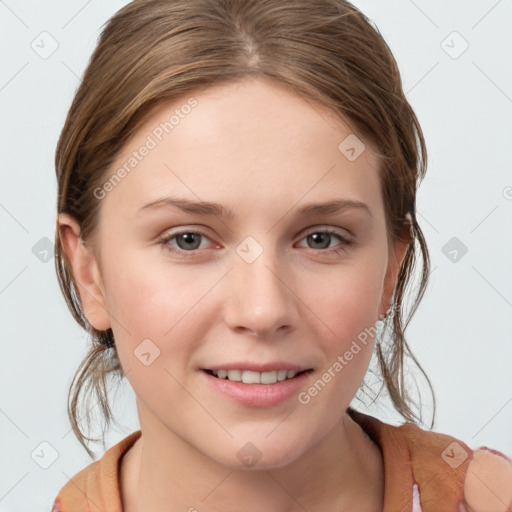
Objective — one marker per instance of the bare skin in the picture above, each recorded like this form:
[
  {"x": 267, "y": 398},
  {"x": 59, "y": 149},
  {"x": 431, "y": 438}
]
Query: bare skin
[
  {"x": 264, "y": 152},
  {"x": 364, "y": 474}
]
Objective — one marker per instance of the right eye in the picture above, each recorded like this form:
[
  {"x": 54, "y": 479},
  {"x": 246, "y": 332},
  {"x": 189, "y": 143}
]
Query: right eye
[{"x": 185, "y": 241}]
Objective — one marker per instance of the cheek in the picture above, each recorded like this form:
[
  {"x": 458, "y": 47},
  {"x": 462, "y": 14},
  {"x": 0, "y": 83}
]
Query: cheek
[
  {"x": 155, "y": 302},
  {"x": 349, "y": 313},
  {"x": 346, "y": 301},
  {"x": 157, "y": 324},
  {"x": 346, "y": 306}
]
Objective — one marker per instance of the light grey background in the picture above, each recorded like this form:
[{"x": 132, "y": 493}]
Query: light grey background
[{"x": 462, "y": 333}]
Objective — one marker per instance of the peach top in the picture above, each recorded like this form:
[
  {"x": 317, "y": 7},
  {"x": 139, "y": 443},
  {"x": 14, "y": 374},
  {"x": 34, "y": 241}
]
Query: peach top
[{"x": 424, "y": 471}]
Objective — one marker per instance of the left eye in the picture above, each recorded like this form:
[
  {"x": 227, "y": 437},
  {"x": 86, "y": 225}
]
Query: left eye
[
  {"x": 323, "y": 236},
  {"x": 190, "y": 241}
]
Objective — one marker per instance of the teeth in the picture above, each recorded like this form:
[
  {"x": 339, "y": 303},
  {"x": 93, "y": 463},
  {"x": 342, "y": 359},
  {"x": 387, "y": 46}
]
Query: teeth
[
  {"x": 268, "y": 377},
  {"x": 235, "y": 375},
  {"x": 281, "y": 374},
  {"x": 250, "y": 377}
]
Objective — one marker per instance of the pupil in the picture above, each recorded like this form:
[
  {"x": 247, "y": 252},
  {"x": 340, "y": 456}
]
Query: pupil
[
  {"x": 189, "y": 238},
  {"x": 315, "y": 237}
]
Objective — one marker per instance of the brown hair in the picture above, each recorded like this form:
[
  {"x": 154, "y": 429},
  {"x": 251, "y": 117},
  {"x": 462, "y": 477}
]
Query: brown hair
[{"x": 153, "y": 51}]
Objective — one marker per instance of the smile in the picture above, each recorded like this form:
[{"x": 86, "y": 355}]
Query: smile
[
  {"x": 253, "y": 377},
  {"x": 258, "y": 389}
]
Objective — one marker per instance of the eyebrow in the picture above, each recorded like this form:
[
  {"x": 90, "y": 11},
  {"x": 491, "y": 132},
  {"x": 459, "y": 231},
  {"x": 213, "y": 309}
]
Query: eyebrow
[{"x": 209, "y": 208}]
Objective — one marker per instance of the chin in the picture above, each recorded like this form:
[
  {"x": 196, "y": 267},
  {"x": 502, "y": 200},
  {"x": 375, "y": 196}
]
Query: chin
[{"x": 259, "y": 455}]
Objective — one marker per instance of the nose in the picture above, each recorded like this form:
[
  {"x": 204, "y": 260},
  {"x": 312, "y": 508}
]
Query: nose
[{"x": 260, "y": 299}]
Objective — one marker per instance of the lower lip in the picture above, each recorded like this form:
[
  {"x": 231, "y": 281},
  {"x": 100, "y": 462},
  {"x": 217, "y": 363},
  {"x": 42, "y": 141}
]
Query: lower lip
[{"x": 259, "y": 395}]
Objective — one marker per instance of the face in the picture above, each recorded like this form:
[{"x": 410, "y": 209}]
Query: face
[{"x": 277, "y": 284}]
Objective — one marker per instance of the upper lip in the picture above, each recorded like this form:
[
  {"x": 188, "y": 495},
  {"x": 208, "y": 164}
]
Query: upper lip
[{"x": 259, "y": 367}]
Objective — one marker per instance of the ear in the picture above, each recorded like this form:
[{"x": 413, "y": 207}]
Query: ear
[
  {"x": 397, "y": 252},
  {"x": 86, "y": 273}
]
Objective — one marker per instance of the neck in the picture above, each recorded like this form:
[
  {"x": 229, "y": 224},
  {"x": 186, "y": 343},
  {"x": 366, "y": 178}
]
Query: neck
[{"x": 342, "y": 472}]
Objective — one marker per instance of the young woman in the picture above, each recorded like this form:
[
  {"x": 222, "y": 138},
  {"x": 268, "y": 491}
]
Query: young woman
[{"x": 236, "y": 226}]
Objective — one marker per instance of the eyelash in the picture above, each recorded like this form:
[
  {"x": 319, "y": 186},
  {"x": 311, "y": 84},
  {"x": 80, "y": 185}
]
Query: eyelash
[{"x": 164, "y": 241}]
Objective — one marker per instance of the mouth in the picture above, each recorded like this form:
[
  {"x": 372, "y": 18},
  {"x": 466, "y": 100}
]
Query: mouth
[
  {"x": 254, "y": 377},
  {"x": 276, "y": 384}
]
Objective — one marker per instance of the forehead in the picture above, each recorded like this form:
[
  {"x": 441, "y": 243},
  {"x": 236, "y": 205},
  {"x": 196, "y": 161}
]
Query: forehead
[{"x": 254, "y": 143}]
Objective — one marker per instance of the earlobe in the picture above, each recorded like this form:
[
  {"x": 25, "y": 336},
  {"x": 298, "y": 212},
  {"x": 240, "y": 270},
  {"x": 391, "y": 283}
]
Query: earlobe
[{"x": 86, "y": 273}]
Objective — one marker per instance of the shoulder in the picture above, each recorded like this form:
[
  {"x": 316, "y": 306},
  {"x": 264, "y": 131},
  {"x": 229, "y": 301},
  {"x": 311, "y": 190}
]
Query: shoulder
[
  {"x": 445, "y": 471},
  {"x": 97, "y": 486}
]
